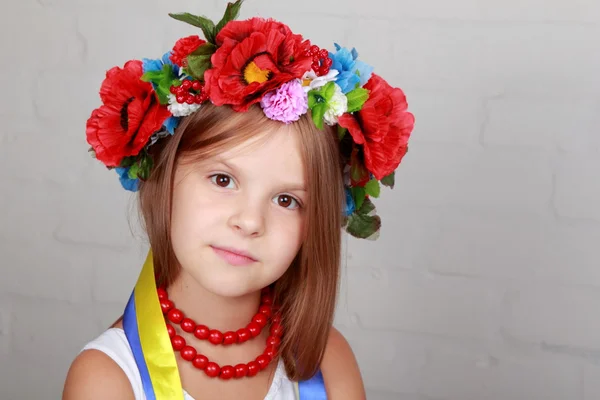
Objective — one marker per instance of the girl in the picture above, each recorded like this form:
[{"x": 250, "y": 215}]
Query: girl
[{"x": 242, "y": 198}]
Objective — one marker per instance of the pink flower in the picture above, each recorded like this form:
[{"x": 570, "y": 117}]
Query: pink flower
[{"x": 286, "y": 103}]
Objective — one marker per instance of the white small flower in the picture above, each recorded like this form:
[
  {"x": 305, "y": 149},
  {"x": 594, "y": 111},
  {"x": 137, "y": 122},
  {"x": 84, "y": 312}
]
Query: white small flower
[
  {"x": 181, "y": 110},
  {"x": 310, "y": 80},
  {"x": 336, "y": 107}
]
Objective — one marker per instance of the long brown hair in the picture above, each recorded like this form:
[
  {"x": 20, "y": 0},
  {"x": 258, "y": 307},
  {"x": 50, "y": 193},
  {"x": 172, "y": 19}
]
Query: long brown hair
[{"x": 306, "y": 294}]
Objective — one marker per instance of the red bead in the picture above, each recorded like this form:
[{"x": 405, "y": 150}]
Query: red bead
[
  {"x": 229, "y": 337},
  {"x": 162, "y": 293},
  {"x": 174, "y": 89},
  {"x": 166, "y": 305},
  {"x": 273, "y": 341},
  {"x": 227, "y": 372},
  {"x": 265, "y": 310},
  {"x": 186, "y": 84},
  {"x": 253, "y": 368},
  {"x": 314, "y": 49},
  {"x": 254, "y": 329},
  {"x": 260, "y": 319},
  {"x": 178, "y": 342},
  {"x": 243, "y": 335},
  {"x": 202, "y": 332},
  {"x": 215, "y": 337},
  {"x": 241, "y": 370},
  {"x": 196, "y": 85},
  {"x": 181, "y": 98},
  {"x": 328, "y": 62},
  {"x": 263, "y": 361},
  {"x": 324, "y": 53},
  {"x": 265, "y": 290},
  {"x": 200, "y": 361},
  {"x": 212, "y": 369},
  {"x": 191, "y": 99},
  {"x": 188, "y": 325},
  {"x": 267, "y": 300},
  {"x": 188, "y": 353},
  {"x": 170, "y": 330},
  {"x": 175, "y": 315},
  {"x": 276, "y": 329},
  {"x": 276, "y": 319},
  {"x": 199, "y": 99},
  {"x": 271, "y": 351}
]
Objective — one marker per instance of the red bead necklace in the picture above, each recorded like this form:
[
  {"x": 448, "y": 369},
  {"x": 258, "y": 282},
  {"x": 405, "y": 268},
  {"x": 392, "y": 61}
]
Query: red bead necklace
[{"x": 216, "y": 337}]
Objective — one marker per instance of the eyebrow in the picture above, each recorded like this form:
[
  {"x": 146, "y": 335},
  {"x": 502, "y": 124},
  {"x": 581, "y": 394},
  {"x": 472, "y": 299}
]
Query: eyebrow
[{"x": 289, "y": 185}]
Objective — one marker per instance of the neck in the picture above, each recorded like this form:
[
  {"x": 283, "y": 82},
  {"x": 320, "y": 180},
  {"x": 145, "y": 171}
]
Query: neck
[{"x": 212, "y": 310}]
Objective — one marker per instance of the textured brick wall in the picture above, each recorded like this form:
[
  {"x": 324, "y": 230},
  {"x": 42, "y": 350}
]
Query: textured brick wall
[{"x": 485, "y": 283}]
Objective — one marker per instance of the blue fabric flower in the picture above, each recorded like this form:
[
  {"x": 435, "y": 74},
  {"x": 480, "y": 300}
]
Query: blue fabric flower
[
  {"x": 129, "y": 184},
  {"x": 156, "y": 65},
  {"x": 350, "y": 206},
  {"x": 170, "y": 124},
  {"x": 352, "y": 72}
]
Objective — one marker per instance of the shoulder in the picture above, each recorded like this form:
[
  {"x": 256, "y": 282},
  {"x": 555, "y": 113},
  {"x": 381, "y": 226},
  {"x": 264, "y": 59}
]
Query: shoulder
[
  {"x": 94, "y": 375},
  {"x": 340, "y": 370}
]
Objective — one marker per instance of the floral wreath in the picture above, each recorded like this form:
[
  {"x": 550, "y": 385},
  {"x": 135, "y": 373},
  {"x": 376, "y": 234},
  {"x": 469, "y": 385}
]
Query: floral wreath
[{"x": 241, "y": 63}]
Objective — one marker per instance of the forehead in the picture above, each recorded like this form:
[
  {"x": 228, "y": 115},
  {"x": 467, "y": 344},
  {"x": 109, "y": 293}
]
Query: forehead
[{"x": 276, "y": 152}]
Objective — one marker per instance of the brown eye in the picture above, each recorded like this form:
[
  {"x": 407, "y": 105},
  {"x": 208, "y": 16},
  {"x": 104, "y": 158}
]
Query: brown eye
[
  {"x": 221, "y": 180},
  {"x": 286, "y": 201}
]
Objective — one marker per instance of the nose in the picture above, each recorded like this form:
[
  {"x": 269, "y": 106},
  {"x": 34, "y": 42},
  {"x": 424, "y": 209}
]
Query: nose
[{"x": 248, "y": 219}]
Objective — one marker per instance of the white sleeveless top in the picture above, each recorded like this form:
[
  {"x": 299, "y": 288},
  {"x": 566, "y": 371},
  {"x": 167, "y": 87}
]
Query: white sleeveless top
[{"x": 114, "y": 344}]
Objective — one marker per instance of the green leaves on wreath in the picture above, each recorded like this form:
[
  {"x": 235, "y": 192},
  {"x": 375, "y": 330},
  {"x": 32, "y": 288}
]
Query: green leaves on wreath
[
  {"x": 389, "y": 180},
  {"x": 163, "y": 80},
  {"x": 199, "y": 61},
  {"x": 356, "y": 99},
  {"x": 318, "y": 102},
  {"x": 139, "y": 167},
  {"x": 207, "y": 25},
  {"x": 231, "y": 12},
  {"x": 364, "y": 223}
]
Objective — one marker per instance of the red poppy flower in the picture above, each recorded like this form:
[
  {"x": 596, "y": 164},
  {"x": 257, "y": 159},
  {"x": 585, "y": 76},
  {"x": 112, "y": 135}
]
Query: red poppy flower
[
  {"x": 383, "y": 127},
  {"x": 130, "y": 114},
  {"x": 254, "y": 57},
  {"x": 183, "y": 48}
]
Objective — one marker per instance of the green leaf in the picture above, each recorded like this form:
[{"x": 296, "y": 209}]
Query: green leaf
[
  {"x": 199, "y": 61},
  {"x": 363, "y": 226},
  {"x": 313, "y": 98},
  {"x": 359, "y": 195},
  {"x": 231, "y": 12},
  {"x": 207, "y": 26},
  {"x": 133, "y": 171},
  {"x": 163, "y": 80},
  {"x": 372, "y": 188},
  {"x": 356, "y": 99},
  {"x": 318, "y": 111},
  {"x": 204, "y": 50},
  {"x": 197, "y": 65},
  {"x": 145, "y": 165},
  {"x": 389, "y": 180},
  {"x": 328, "y": 90},
  {"x": 357, "y": 171},
  {"x": 366, "y": 208}
]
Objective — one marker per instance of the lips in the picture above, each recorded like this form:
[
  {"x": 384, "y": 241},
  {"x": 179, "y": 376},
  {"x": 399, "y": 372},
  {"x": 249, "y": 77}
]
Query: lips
[{"x": 235, "y": 252}]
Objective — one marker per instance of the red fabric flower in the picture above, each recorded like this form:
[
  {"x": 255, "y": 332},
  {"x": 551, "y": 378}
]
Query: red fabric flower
[
  {"x": 183, "y": 48},
  {"x": 254, "y": 57},
  {"x": 383, "y": 127},
  {"x": 130, "y": 114}
]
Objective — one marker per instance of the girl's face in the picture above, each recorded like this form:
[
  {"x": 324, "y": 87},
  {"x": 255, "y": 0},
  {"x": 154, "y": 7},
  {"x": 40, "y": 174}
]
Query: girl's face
[{"x": 246, "y": 200}]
